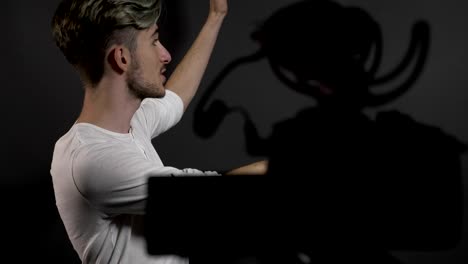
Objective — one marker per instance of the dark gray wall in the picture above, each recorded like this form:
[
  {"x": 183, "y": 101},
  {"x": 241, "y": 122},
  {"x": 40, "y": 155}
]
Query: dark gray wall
[
  {"x": 42, "y": 95},
  {"x": 439, "y": 97}
]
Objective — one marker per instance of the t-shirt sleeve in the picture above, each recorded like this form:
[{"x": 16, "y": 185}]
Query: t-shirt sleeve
[
  {"x": 157, "y": 115},
  {"x": 116, "y": 183}
]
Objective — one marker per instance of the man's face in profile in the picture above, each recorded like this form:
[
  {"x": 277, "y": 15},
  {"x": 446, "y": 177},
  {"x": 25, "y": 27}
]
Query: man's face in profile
[{"x": 146, "y": 75}]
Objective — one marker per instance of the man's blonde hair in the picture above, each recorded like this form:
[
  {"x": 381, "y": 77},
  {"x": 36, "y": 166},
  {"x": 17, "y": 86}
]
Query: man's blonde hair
[{"x": 85, "y": 29}]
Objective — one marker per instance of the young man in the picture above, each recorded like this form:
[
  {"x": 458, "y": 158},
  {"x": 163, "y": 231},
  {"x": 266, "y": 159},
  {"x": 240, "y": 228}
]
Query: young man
[{"x": 101, "y": 165}]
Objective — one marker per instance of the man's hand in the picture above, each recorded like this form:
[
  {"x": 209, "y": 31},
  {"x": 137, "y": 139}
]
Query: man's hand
[
  {"x": 218, "y": 7},
  {"x": 256, "y": 168}
]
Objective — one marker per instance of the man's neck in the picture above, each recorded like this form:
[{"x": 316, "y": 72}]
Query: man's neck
[{"x": 109, "y": 105}]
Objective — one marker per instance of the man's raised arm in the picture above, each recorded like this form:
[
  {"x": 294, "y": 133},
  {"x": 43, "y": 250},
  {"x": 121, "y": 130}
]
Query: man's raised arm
[{"x": 187, "y": 76}]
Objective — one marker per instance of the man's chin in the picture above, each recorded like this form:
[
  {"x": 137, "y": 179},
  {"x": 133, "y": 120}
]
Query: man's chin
[
  {"x": 162, "y": 93},
  {"x": 158, "y": 94},
  {"x": 146, "y": 91}
]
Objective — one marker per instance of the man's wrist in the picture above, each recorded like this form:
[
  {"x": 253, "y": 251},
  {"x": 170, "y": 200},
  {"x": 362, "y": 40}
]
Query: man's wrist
[{"x": 217, "y": 16}]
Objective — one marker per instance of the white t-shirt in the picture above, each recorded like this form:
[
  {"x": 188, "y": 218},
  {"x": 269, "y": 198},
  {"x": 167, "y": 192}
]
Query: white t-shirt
[{"x": 100, "y": 183}]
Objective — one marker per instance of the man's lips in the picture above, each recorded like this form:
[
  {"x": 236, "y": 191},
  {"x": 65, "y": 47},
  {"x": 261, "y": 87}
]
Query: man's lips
[{"x": 163, "y": 76}]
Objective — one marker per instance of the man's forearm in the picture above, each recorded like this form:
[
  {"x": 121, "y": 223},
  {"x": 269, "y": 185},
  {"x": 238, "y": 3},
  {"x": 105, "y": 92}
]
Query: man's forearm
[
  {"x": 256, "y": 168},
  {"x": 187, "y": 76}
]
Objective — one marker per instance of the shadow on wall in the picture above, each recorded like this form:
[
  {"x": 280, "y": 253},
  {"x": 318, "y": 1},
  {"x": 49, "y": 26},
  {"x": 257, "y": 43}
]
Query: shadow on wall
[{"x": 392, "y": 181}]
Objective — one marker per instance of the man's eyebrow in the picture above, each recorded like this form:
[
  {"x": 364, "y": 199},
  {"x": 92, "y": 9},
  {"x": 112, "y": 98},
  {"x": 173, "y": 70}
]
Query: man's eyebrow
[{"x": 156, "y": 31}]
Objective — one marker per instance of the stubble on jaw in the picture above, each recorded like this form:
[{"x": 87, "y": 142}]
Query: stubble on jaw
[{"x": 141, "y": 88}]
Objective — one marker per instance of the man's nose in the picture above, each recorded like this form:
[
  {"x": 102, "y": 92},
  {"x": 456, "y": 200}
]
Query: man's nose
[{"x": 165, "y": 55}]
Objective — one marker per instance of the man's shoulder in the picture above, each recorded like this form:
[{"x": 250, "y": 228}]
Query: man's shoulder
[
  {"x": 86, "y": 151},
  {"x": 65, "y": 142},
  {"x": 85, "y": 139}
]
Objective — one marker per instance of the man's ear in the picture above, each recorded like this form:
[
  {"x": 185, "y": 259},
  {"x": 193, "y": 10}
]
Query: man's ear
[{"x": 119, "y": 58}]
